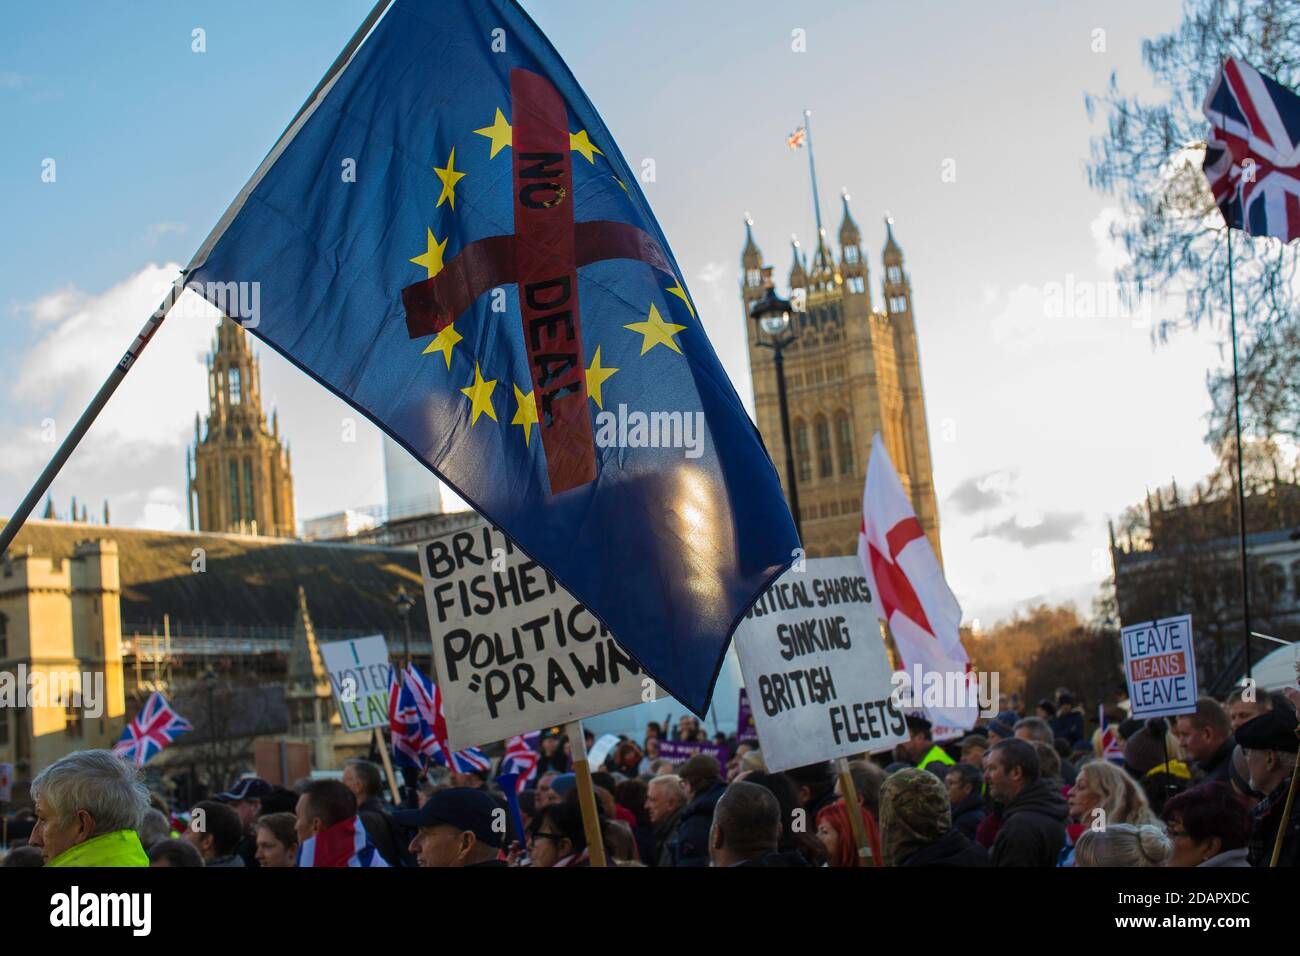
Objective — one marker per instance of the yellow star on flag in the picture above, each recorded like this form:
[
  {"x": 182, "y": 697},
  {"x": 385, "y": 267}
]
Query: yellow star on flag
[
  {"x": 444, "y": 342},
  {"x": 579, "y": 143},
  {"x": 499, "y": 132},
  {"x": 596, "y": 377},
  {"x": 678, "y": 291},
  {"x": 450, "y": 176},
  {"x": 620, "y": 182},
  {"x": 432, "y": 258},
  {"x": 656, "y": 331},
  {"x": 480, "y": 397},
  {"x": 526, "y": 415}
]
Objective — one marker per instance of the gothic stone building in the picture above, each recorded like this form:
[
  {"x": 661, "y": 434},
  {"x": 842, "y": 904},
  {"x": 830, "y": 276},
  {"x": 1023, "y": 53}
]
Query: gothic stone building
[
  {"x": 851, "y": 371},
  {"x": 239, "y": 475}
]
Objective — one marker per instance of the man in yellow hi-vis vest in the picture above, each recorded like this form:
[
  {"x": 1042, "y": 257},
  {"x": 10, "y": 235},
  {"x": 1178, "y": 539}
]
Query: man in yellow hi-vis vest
[{"x": 921, "y": 747}]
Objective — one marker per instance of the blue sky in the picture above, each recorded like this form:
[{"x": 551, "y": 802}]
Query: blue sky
[{"x": 1042, "y": 425}]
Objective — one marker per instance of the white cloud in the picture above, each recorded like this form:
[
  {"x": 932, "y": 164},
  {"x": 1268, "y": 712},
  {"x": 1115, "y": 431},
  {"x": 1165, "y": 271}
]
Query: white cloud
[
  {"x": 140, "y": 435},
  {"x": 162, "y": 510},
  {"x": 157, "y": 230}
]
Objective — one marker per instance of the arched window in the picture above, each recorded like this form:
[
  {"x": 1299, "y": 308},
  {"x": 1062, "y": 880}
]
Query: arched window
[
  {"x": 825, "y": 467},
  {"x": 802, "y": 457},
  {"x": 249, "y": 511},
  {"x": 844, "y": 436},
  {"x": 235, "y": 514},
  {"x": 234, "y": 386}
]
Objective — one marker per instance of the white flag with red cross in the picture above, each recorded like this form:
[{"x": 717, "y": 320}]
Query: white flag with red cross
[{"x": 913, "y": 597}]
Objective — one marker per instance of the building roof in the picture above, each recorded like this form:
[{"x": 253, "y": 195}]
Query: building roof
[{"x": 249, "y": 582}]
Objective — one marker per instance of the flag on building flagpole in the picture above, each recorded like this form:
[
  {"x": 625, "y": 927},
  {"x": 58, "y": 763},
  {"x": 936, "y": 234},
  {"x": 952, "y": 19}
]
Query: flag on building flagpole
[
  {"x": 156, "y": 726},
  {"x": 911, "y": 594},
  {"x": 448, "y": 238},
  {"x": 796, "y": 139},
  {"x": 1252, "y": 155}
]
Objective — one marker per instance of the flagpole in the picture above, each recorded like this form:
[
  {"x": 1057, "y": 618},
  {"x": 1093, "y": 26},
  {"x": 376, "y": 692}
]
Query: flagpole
[
  {"x": 1241, "y": 486},
  {"x": 388, "y": 767},
  {"x": 39, "y": 489},
  {"x": 812, "y": 171},
  {"x": 854, "y": 810},
  {"x": 586, "y": 793},
  {"x": 73, "y": 438}
]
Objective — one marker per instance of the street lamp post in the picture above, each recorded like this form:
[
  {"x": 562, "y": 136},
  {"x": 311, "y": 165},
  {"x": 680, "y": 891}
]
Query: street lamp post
[
  {"x": 772, "y": 313},
  {"x": 404, "y": 604}
]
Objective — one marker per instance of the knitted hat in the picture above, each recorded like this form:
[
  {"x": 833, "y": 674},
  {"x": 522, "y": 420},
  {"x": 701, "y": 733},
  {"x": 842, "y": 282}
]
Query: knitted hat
[{"x": 1144, "y": 751}]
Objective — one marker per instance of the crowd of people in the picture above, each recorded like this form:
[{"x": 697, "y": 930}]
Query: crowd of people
[{"x": 1032, "y": 790}]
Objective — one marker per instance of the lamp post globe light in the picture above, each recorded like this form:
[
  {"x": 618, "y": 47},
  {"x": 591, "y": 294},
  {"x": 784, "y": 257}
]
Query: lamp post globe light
[{"x": 772, "y": 314}]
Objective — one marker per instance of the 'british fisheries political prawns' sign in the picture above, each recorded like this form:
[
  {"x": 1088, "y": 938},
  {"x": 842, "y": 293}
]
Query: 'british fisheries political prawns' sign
[
  {"x": 512, "y": 649},
  {"x": 1160, "y": 667}
]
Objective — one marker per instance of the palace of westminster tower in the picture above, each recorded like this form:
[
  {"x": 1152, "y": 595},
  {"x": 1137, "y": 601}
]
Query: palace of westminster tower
[{"x": 851, "y": 371}]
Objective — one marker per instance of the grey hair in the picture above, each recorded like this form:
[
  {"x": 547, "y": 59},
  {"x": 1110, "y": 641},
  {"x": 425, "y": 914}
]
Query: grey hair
[
  {"x": 672, "y": 782},
  {"x": 97, "y": 781},
  {"x": 154, "y": 827},
  {"x": 1123, "y": 844}
]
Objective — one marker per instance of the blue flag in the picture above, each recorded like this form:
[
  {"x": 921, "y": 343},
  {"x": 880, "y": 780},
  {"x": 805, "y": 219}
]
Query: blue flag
[{"x": 448, "y": 238}]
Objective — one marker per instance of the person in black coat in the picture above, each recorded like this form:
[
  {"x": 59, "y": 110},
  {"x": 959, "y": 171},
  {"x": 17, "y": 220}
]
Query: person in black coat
[
  {"x": 1034, "y": 814},
  {"x": 965, "y": 795},
  {"x": 702, "y": 777}
]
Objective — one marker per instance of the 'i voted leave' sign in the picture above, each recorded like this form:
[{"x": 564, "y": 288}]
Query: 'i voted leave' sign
[{"x": 1160, "y": 667}]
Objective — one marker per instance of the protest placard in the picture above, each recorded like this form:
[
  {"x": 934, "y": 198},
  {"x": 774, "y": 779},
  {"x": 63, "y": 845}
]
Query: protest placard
[
  {"x": 1160, "y": 667},
  {"x": 816, "y": 669},
  {"x": 512, "y": 650},
  {"x": 358, "y": 672},
  {"x": 679, "y": 750},
  {"x": 745, "y": 727}
]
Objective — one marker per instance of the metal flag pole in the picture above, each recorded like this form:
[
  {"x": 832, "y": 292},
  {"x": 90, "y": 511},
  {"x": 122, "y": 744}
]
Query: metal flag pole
[
  {"x": 1241, "y": 487},
  {"x": 812, "y": 170},
  {"x": 38, "y": 490},
  {"x": 73, "y": 438}
]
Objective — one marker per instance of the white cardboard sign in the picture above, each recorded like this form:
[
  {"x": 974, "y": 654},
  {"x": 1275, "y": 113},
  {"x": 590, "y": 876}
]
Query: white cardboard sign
[
  {"x": 1160, "y": 667},
  {"x": 359, "y": 675},
  {"x": 513, "y": 650},
  {"x": 815, "y": 666}
]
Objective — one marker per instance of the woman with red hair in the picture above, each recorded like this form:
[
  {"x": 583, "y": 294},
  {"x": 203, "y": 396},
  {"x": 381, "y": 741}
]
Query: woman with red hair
[{"x": 835, "y": 831}]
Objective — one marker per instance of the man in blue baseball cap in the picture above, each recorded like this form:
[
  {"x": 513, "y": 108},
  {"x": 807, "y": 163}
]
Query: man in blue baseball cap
[
  {"x": 456, "y": 827},
  {"x": 246, "y": 797}
]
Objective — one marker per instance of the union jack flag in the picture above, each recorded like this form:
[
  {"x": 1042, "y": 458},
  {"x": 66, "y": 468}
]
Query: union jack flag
[
  {"x": 795, "y": 139},
  {"x": 521, "y": 758},
  {"x": 1110, "y": 745},
  {"x": 471, "y": 760},
  {"x": 1252, "y": 156},
  {"x": 155, "y": 727},
  {"x": 415, "y": 718}
]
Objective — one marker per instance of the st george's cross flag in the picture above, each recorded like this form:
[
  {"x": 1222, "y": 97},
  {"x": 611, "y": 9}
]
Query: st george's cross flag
[
  {"x": 1252, "y": 155},
  {"x": 448, "y": 238},
  {"x": 156, "y": 726},
  {"x": 913, "y": 598}
]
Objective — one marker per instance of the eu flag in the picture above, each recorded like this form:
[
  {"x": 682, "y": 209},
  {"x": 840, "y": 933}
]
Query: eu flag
[{"x": 448, "y": 238}]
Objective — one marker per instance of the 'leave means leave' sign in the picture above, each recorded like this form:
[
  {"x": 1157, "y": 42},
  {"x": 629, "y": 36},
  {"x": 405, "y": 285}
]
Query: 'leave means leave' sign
[{"x": 1160, "y": 667}]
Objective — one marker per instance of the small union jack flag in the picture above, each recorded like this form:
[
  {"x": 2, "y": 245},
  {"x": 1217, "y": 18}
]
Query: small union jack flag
[
  {"x": 521, "y": 758},
  {"x": 155, "y": 727},
  {"x": 1110, "y": 745},
  {"x": 1252, "y": 156},
  {"x": 415, "y": 716},
  {"x": 795, "y": 139}
]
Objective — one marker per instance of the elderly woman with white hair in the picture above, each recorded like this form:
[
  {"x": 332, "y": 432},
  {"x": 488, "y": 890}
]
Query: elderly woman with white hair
[
  {"x": 89, "y": 805},
  {"x": 1124, "y": 844}
]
